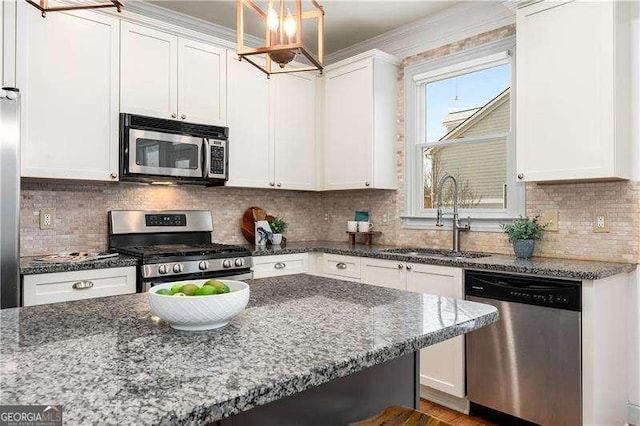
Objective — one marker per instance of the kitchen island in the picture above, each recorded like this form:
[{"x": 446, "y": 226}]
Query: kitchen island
[{"x": 306, "y": 349}]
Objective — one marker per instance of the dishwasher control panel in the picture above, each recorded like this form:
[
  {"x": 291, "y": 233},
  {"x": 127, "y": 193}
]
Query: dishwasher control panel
[{"x": 540, "y": 291}]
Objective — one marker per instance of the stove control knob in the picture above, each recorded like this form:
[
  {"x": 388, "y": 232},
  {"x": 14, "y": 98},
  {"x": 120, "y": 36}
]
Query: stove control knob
[
  {"x": 239, "y": 262},
  {"x": 162, "y": 269},
  {"x": 203, "y": 266},
  {"x": 226, "y": 263},
  {"x": 178, "y": 267}
]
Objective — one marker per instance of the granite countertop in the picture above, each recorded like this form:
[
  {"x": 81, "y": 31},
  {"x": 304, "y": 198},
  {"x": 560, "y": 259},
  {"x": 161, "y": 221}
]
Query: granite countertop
[
  {"x": 28, "y": 265},
  {"x": 108, "y": 361},
  {"x": 563, "y": 268}
]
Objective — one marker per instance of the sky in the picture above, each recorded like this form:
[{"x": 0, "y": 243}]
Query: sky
[{"x": 473, "y": 90}]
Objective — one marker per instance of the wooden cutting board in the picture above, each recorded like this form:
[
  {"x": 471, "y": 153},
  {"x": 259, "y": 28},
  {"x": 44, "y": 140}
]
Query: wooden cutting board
[{"x": 249, "y": 218}]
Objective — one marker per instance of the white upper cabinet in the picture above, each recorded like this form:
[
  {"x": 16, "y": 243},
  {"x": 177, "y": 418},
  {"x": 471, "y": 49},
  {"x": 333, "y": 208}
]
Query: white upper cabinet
[
  {"x": 272, "y": 126},
  {"x": 67, "y": 71},
  {"x": 250, "y": 149},
  {"x": 149, "y": 84},
  {"x": 572, "y": 91},
  {"x": 167, "y": 76},
  {"x": 294, "y": 98},
  {"x": 360, "y": 99},
  {"x": 202, "y": 79}
]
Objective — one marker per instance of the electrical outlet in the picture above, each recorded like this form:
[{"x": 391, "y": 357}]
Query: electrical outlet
[
  {"x": 47, "y": 219},
  {"x": 550, "y": 217},
  {"x": 600, "y": 222},
  {"x": 385, "y": 219}
]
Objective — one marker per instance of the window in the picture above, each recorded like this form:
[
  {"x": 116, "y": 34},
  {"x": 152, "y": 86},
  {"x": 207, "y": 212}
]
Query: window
[{"x": 459, "y": 122}]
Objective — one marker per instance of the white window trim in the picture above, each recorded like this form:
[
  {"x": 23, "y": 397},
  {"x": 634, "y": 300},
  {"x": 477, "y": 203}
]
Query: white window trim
[{"x": 416, "y": 216}]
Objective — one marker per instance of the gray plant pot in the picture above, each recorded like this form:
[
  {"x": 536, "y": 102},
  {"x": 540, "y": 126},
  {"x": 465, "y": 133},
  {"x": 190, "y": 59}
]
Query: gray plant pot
[{"x": 523, "y": 249}]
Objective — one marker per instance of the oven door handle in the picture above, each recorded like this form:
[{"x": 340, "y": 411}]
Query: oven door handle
[{"x": 206, "y": 149}]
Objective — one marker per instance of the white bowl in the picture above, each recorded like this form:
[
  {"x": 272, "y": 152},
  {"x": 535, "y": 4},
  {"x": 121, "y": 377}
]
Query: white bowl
[{"x": 194, "y": 313}]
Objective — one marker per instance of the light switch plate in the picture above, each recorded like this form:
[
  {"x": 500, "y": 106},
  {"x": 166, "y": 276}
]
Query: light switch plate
[
  {"x": 47, "y": 218},
  {"x": 550, "y": 217},
  {"x": 600, "y": 222}
]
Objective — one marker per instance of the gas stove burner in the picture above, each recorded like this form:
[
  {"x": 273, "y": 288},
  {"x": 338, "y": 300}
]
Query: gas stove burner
[{"x": 184, "y": 250}]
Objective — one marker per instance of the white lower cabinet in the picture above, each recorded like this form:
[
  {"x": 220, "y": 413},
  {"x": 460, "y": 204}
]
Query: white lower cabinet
[
  {"x": 278, "y": 265},
  {"x": 55, "y": 287},
  {"x": 384, "y": 273},
  {"x": 442, "y": 365}
]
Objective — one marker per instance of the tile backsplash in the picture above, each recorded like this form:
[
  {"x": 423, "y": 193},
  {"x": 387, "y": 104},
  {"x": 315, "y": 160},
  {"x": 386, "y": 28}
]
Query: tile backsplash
[{"x": 81, "y": 211}]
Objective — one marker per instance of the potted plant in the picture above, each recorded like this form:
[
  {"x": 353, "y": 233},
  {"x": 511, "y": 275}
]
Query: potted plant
[
  {"x": 523, "y": 233},
  {"x": 278, "y": 227}
]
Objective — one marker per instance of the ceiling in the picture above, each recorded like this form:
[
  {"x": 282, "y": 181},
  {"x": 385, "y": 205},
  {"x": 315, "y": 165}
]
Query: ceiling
[{"x": 347, "y": 22}]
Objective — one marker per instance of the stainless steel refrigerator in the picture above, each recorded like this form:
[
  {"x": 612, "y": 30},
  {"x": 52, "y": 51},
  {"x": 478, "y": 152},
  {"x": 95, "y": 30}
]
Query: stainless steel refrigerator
[{"x": 10, "y": 292}]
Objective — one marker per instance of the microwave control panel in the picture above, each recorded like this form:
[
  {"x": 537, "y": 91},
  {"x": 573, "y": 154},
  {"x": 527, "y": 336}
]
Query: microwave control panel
[{"x": 218, "y": 159}]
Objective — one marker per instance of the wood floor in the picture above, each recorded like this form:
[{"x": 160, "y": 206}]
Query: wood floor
[{"x": 451, "y": 416}]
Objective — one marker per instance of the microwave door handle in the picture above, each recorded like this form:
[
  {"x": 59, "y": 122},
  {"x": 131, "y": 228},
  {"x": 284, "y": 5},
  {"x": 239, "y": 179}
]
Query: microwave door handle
[{"x": 206, "y": 148}]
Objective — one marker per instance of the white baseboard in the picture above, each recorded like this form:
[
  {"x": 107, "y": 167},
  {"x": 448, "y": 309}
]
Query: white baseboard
[
  {"x": 633, "y": 414},
  {"x": 446, "y": 400}
]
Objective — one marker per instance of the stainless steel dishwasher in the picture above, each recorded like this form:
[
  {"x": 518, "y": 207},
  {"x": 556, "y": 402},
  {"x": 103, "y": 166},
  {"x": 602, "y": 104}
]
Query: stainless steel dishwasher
[{"x": 528, "y": 364}]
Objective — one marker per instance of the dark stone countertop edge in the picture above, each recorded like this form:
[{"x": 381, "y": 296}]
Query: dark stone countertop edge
[
  {"x": 291, "y": 385},
  {"x": 29, "y": 267},
  {"x": 551, "y": 267}
]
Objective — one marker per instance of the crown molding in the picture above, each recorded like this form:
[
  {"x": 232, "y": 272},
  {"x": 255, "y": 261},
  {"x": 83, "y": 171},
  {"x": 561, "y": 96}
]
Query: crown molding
[
  {"x": 226, "y": 36},
  {"x": 455, "y": 23}
]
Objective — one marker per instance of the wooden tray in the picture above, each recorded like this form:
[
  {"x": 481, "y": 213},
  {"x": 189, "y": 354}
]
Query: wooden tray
[{"x": 249, "y": 218}]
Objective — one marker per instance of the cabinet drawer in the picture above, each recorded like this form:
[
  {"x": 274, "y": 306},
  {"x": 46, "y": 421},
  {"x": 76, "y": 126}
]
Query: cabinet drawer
[
  {"x": 275, "y": 266},
  {"x": 334, "y": 265},
  {"x": 66, "y": 286}
]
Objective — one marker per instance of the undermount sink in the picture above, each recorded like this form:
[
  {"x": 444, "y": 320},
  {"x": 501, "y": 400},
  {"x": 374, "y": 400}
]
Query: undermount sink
[{"x": 438, "y": 254}]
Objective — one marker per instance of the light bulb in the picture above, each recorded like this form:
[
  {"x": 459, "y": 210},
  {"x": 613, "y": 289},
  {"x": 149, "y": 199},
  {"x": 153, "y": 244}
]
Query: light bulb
[
  {"x": 273, "y": 21},
  {"x": 289, "y": 25}
]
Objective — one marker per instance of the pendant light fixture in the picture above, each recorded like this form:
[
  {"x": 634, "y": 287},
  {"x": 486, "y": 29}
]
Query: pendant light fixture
[
  {"x": 43, "y": 6},
  {"x": 282, "y": 22}
]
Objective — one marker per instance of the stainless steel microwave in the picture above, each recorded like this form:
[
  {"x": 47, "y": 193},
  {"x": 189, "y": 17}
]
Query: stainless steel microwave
[{"x": 156, "y": 150}]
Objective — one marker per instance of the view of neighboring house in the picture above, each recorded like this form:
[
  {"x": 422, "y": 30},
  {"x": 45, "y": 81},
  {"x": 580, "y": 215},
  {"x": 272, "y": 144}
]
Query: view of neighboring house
[{"x": 479, "y": 166}]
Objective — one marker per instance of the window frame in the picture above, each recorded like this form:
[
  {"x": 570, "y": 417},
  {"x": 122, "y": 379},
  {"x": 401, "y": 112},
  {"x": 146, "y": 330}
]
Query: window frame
[{"x": 416, "y": 77}]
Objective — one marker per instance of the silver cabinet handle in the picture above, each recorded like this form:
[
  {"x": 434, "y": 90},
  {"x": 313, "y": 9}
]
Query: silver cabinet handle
[
  {"x": 400, "y": 266},
  {"x": 174, "y": 115},
  {"x": 113, "y": 175},
  {"x": 183, "y": 116},
  {"x": 520, "y": 176},
  {"x": 279, "y": 184},
  {"x": 367, "y": 183},
  {"x": 409, "y": 267},
  {"x": 341, "y": 265},
  {"x": 272, "y": 184},
  {"x": 280, "y": 265},
  {"x": 82, "y": 285}
]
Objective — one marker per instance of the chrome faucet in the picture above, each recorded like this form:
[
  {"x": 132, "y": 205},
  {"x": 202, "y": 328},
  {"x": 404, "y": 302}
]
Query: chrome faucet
[{"x": 456, "y": 227}]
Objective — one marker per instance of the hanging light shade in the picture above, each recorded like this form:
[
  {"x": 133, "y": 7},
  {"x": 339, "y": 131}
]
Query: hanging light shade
[
  {"x": 43, "y": 6},
  {"x": 282, "y": 22}
]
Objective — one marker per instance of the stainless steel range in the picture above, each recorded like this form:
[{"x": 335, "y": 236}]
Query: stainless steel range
[{"x": 175, "y": 246}]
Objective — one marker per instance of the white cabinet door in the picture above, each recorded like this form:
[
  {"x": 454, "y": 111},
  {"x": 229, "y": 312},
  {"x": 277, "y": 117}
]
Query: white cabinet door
[
  {"x": 385, "y": 273},
  {"x": 441, "y": 365},
  {"x": 279, "y": 265},
  {"x": 293, "y": 106},
  {"x": 149, "y": 72},
  {"x": 202, "y": 83},
  {"x": 68, "y": 68},
  {"x": 250, "y": 148},
  {"x": 568, "y": 91},
  {"x": 348, "y": 126},
  {"x": 346, "y": 268}
]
